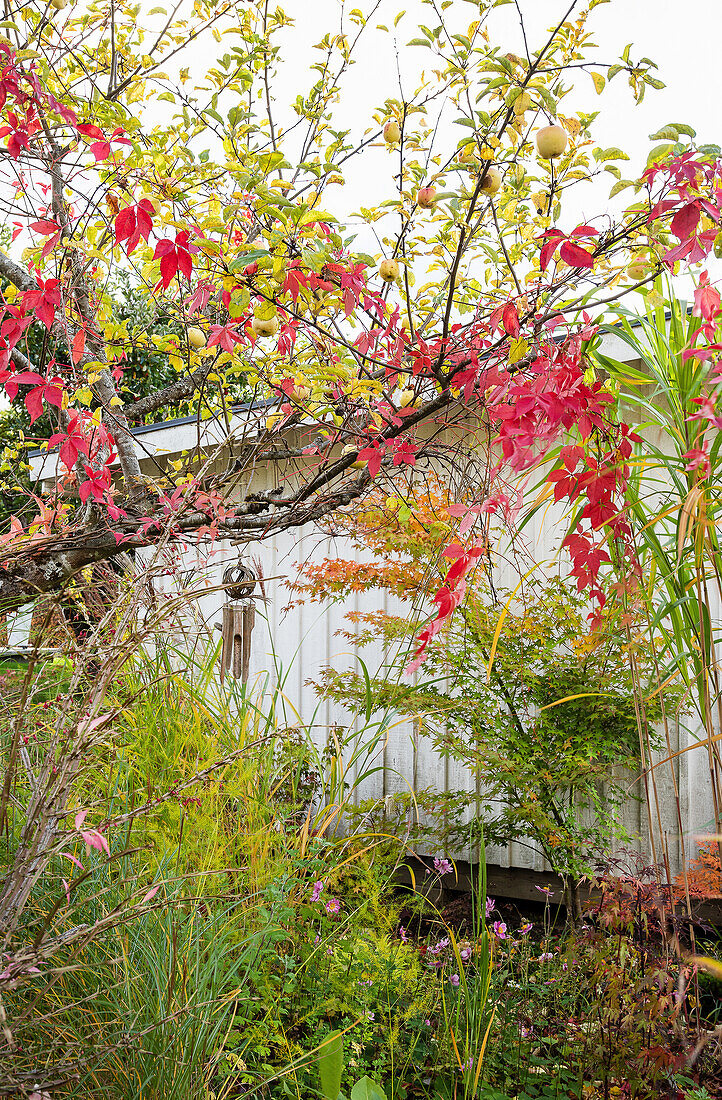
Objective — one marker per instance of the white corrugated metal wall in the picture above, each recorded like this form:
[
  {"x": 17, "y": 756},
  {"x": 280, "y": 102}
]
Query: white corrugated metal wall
[{"x": 303, "y": 641}]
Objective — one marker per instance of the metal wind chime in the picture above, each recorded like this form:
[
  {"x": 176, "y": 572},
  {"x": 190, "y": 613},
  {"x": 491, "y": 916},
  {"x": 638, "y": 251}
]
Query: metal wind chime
[{"x": 239, "y": 616}]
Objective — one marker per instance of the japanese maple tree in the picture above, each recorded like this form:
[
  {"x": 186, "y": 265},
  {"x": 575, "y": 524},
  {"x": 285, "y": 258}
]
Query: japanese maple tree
[{"x": 537, "y": 707}]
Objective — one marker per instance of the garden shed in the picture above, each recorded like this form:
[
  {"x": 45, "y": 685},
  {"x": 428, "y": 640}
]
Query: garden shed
[{"x": 295, "y": 644}]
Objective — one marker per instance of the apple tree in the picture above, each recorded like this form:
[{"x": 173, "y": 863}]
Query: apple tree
[{"x": 450, "y": 311}]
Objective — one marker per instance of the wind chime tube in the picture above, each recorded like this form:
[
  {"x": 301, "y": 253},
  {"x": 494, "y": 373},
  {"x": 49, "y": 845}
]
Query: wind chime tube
[
  {"x": 249, "y": 620},
  {"x": 237, "y": 629}
]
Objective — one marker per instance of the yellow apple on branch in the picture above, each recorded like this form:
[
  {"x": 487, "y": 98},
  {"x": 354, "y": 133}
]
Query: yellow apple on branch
[
  {"x": 392, "y": 132},
  {"x": 389, "y": 270},
  {"x": 492, "y": 180},
  {"x": 196, "y": 337},
  {"x": 265, "y": 326},
  {"x": 426, "y": 197},
  {"x": 551, "y": 141}
]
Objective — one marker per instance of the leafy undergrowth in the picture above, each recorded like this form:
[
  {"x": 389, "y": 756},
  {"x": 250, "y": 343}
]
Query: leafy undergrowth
[{"x": 277, "y": 956}]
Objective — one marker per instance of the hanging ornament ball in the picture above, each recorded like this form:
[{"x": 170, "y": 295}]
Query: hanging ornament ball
[{"x": 238, "y": 581}]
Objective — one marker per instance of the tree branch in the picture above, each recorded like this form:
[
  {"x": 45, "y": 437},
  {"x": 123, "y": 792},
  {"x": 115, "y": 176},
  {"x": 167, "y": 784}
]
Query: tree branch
[{"x": 171, "y": 394}]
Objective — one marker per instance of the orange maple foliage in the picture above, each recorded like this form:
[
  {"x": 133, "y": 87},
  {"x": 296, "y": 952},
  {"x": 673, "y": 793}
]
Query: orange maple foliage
[
  {"x": 405, "y": 533},
  {"x": 704, "y": 874}
]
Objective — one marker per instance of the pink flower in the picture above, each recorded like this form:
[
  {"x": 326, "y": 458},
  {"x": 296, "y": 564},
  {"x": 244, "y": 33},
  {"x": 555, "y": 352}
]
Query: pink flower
[
  {"x": 316, "y": 892},
  {"x": 698, "y": 459},
  {"x": 525, "y": 928},
  {"x": 333, "y": 905},
  {"x": 454, "y": 979},
  {"x": 706, "y": 299},
  {"x": 402, "y": 934},
  {"x": 490, "y": 907},
  {"x": 499, "y": 929},
  {"x": 707, "y": 411},
  {"x": 442, "y": 866}
]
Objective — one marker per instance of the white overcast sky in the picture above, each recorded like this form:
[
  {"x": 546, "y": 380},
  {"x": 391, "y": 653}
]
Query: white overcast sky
[{"x": 684, "y": 38}]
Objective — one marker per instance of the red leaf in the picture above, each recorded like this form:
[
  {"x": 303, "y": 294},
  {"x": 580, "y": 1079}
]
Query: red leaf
[
  {"x": 78, "y": 346},
  {"x": 168, "y": 268},
  {"x": 685, "y": 221},
  {"x": 185, "y": 263},
  {"x": 50, "y": 244},
  {"x": 373, "y": 456},
  {"x": 706, "y": 299},
  {"x": 87, "y": 129},
  {"x": 100, "y": 150},
  {"x": 134, "y": 222},
  {"x": 34, "y": 403},
  {"x": 549, "y": 248},
  {"x": 226, "y": 337},
  {"x": 45, "y": 226},
  {"x": 175, "y": 257},
  {"x": 584, "y": 231},
  {"x": 54, "y": 393},
  {"x": 576, "y": 256},
  {"x": 510, "y": 320},
  {"x": 28, "y": 377}
]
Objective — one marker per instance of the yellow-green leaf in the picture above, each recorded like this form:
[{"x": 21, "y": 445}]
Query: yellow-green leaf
[{"x": 599, "y": 82}]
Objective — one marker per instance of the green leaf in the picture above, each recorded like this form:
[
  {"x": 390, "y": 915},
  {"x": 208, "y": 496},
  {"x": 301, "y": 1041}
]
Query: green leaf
[
  {"x": 549, "y": 99},
  {"x": 366, "y": 1089},
  {"x": 620, "y": 186},
  {"x": 684, "y": 128},
  {"x": 659, "y": 152},
  {"x": 247, "y": 258},
  {"x": 667, "y": 133},
  {"x": 330, "y": 1065}
]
